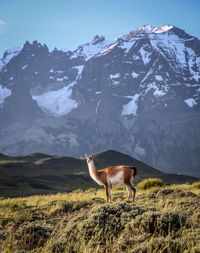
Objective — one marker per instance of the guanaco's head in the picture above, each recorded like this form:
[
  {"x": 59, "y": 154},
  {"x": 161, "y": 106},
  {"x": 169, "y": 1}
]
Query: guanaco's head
[{"x": 89, "y": 158}]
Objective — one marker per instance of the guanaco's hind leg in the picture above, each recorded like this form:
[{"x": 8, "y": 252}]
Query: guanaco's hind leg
[
  {"x": 108, "y": 192},
  {"x": 131, "y": 189},
  {"x": 130, "y": 192}
]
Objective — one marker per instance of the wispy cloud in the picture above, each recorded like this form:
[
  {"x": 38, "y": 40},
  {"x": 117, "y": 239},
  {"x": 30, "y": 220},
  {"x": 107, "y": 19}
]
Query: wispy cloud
[{"x": 2, "y": 26}]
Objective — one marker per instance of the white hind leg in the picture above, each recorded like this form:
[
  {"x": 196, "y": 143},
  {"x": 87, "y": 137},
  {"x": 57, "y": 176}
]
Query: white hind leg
[
  {"x": 131, "y": 189},
  {"x": 130, "y": 192},
  {"x": 110, "y": 193}
]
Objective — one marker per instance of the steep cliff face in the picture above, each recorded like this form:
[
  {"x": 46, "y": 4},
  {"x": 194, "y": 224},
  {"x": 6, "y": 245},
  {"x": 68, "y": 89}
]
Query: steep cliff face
[{"x": 139, "y": 94}]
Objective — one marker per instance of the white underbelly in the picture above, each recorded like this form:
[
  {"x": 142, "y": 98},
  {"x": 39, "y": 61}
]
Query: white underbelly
[{"x": 116, "y": 179}]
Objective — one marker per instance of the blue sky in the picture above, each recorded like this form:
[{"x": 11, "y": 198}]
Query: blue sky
[{"x": 69, "y": 23}]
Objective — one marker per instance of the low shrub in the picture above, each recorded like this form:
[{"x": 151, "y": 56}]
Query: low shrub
[
  {"x": 63, "y": 207},
  {"x": 150, "y": 183},
  {"x": 171, "y": 223},
  {"x": 104, "y": 223},
  {"x": 29, "y": 236},
  {"x": 175, "y": 193},
  {"x": 157, "y": 223},
  {"x": 99, "y": 227}
]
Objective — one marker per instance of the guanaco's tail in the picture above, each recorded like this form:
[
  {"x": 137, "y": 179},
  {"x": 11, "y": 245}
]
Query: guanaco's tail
[{"x": 134, "y": 170}]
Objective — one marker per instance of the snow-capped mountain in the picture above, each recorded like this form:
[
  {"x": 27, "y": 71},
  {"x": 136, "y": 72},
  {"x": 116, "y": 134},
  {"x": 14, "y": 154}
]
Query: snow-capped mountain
[{"x": 139, "y": 94}]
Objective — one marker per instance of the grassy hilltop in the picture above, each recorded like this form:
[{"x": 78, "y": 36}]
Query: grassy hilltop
[{"x": 162, "y": 219}]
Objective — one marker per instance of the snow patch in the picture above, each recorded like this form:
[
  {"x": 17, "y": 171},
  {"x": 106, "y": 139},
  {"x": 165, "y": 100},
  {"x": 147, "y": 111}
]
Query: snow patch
[
  {"x": 147, "y": 74},
  {"x": 158, "y": 92},
  {"x": 131, "y": 107},
  {"x": 79, "y": 68},
  {"x": 171, "y": 47},
  {"x": 24, "y": 67},
  {"x": 192, "y": 61},
  {"x": 89, "y": 50},
  {"x": 98, "y": 104},
  {"x": 135, "y": 57},
  {"x": 115, "y": 83},
  {"x": 146, "y": 56},
  {"x": 56, "y": 71},
  {"x": 158, "y": 78},
  {"x": 127, "y": 45},
  {"x": 108, "y": 49},
  {"x": 190, "y": 102},
  {"x": 4, "y": 93},
  {"x": 134, "y": 75},
  {"x": 61, "y": 79},
  {"x": 148, "y": 29},
  {"x": 115, "y": 76},
  {"x": 162, "y": 29},
  {"x": 57, "y": 102}
]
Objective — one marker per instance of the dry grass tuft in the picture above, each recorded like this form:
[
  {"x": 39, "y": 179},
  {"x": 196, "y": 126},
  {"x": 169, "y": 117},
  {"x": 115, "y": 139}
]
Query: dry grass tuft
[{"x": 149, "y": 183}]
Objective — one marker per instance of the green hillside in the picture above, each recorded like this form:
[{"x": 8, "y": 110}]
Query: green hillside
[{"x": 41, "y": 174}]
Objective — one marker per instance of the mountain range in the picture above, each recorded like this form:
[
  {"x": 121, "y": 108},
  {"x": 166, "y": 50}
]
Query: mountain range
[{"x": 138, "y": 94}]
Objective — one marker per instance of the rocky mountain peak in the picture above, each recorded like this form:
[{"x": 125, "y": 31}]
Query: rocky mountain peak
[
  {"x": 97, "y": 39},
  {"x": 34, "y": 46},
  {"x": 146, "y": 29},
  {"x": 10, "y": 53},
  {"x": 139, "y": 94}
]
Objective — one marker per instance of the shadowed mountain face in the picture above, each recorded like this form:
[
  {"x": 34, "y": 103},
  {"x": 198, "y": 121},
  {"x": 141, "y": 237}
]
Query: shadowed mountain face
[
  {"x": 41, "y": 174},
  {"x": 139, "y": 94}
]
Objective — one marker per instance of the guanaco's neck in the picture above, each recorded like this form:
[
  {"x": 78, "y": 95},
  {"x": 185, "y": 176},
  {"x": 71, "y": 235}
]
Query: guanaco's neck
[{"x": 92, "y": 169}]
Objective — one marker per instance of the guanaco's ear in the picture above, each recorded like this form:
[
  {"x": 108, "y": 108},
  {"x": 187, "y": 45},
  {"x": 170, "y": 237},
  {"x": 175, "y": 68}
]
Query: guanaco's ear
[
  {"x": 86, "y": 156},
  {"x": 92, "y": 155}
]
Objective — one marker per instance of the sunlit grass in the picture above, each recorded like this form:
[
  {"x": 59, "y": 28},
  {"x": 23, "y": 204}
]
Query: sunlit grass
[{"x": 77, "y": 221}]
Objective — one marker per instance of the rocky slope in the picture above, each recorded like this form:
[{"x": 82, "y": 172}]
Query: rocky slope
[{"x": 139, "y": 94}]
